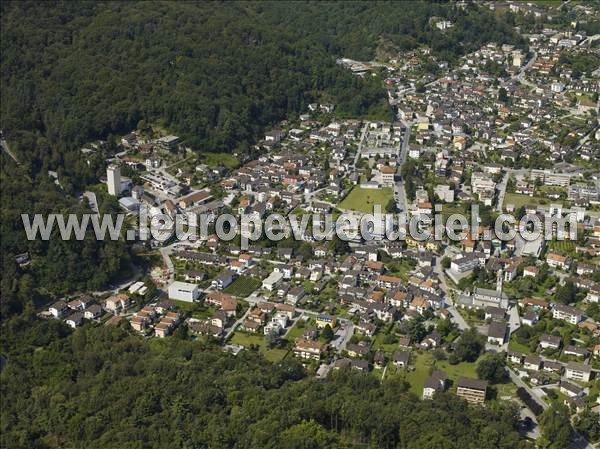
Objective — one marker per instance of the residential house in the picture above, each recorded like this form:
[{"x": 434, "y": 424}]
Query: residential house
[
  {"x": 74, "y": 320},
  {"x": 532, "y": 362},
  {"x": 309, "y": 349},
  {"x": 578, "y": 371},
  {"x": 295, "y": 294},
  {"x": 58, "y": 309},
  {"x": 570, "y": 389},
  {"x": 529, "y": 318},
  {"x": 550, "y": 341},
  {"x": 575, "y": 351},
  {"x": 92, "y": 312},
  {"x": 567, "y": 313},
  {"x": 436, "y": 382},
  {"x": 117, "y": 303},
  {"x": 324, "y": 319},
  {"x": 497, "y": 332},
  {"x": 224, "y": 279},
  {"x": 515, "y": 356},
  {"x": 473, "y": 390},
  {"x": 555, "y": 260},
  {"x": 400, "y": 359},
  {"x": 272, "y": 281},
  {"x": 357, "y": 350},
  {"x": 552, "y": 366}
]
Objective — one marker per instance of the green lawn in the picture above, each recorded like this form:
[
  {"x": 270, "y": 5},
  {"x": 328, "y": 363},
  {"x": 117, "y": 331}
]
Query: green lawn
[
  {"x": 387, "y": 348},
  {"x": 295, "y": 332},
  {"x": 204, "y": 312},
  {"x": 246, "y": 340},
  {"x": 450, "y": 209},
  {"x": 400, "y": 268},
  {"x": 518, "y": 200},
  {"x": 363, "y": 200},
  {"x": 464, "y": 369},
  {"x": 506, "y": 389},
  {"x": 227, "y": 160},
  {"x": 423, "y": 365},
  {"x": 184, "y": 306},
  {"x": 514, "y": 345},
  {"x": 242, "y": 286}
]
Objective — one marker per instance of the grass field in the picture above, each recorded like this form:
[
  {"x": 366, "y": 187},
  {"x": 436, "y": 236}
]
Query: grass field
[
  {"x": 450, "y": 209},
  {"x": 380, "y": 344},
  {"x": 363, "y": 200},
  {"x": 185, "y": 306},
  {"x": 242, "y": 286},
  {"x": 295, "y": 332},
  {"x": 514, "y": 345},
  {"x": 518, "y": 200},
  {"x": 226, "y": 160},
  {"x": 424, "y": 363},
  {"x": 246, "y": 340},
  {"x": 400, "y": 268}
]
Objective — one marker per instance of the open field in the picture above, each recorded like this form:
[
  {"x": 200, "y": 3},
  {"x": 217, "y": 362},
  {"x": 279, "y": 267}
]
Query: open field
[
  {"x": 363, "y": 200},
  {"x": 226, "y": 160},
  {"x": 514, "y": 345},
  {"x": 246, "y": 340},
  {"x": 518, "y": 200},
  {"x": 242, "y": 286},
  {"x": 379, "y": 343},
  {"x": 450, "y": 209}
]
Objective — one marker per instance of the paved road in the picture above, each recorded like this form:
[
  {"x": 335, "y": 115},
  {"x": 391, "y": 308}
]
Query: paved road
[
  {"x": 519, "y": 383},
  {"x": 577, "y": 441},
  {"x": 399, "y": 190},
  {"x": 514, "y": 320},
  {"x": 520, "y": 76},
  {"x": 237, "y": 323},
  {"x": 165, "y": 252},
  {"x": 502, "y": 191},
  {"x": 343, "y": 335},
  {"x": 585, "y": 138},
  {"x": 363, "y": 135},
  {"x": 114, "y": 288},
  {"x": 4, "y": 145},
  {"x": 534, "y": 432}
]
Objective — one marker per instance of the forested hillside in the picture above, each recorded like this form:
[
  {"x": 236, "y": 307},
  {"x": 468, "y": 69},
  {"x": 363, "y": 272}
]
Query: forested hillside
[
  {"x": 217, "y": 76},
  {"x": 102, "y": 388}
]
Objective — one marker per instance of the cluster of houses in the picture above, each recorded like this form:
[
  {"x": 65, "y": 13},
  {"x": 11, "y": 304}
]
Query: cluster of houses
[
  {"x": 74, "y": 311},
  {"x": 227, "y": 309},
  {"x": 160, "y": 319}
]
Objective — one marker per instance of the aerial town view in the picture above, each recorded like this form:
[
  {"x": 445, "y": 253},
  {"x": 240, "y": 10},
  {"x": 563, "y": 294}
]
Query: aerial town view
[{"x": 300, "y": 225}]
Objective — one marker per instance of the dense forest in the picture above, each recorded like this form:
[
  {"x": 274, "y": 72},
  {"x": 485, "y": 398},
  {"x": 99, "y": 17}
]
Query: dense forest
[
  {"x": 76, "y": 71},
  {"x": 57, "y": 266},
  {"x": 103, "y": 388}
]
